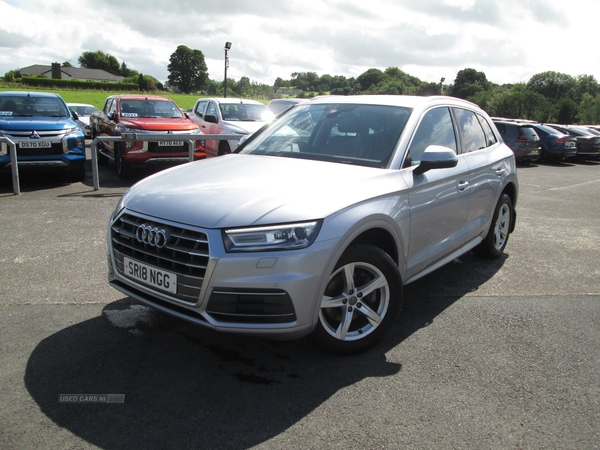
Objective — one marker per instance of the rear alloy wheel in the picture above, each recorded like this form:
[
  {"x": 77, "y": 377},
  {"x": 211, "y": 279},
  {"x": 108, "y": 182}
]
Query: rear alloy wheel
[
  {"x": 123, "y": 169},
  {"x": 495, "y": 242},
  {"x": 361, "y": 301}
]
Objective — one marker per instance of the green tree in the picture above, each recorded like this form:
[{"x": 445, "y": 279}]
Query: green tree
[
  {"x": 324, "y": 83},
  {"x": 100, "y": 60},
  {"x": 279, "y": 82},
  {"x": 187, "y": 69},
  {"x": 586, "y": 84},
  {"x": 468, "y": 83},
  {"x": 589, "y": 109},
  {"x": 567, "y": 111},
  {"x": 12, "y": 75},
  {"x": 553, "y": 85},
  {"x": 127, "y": 72},
  {"x": 67, "y": 64},
  {"x": 369, "y": 79}
]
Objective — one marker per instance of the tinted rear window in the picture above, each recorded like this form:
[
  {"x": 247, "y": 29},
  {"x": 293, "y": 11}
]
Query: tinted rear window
[{"x": 529, "y": 132}]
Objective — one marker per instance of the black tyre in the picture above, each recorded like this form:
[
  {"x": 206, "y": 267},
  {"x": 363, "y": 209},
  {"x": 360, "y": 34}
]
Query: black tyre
[
  {"x": 123, "y": 169},
  {"x": 543, "y": 155},
  {"x": 361, "y": 301},
  {"x": 224, "y": 148},
  {"x": 495, "y": 242}
]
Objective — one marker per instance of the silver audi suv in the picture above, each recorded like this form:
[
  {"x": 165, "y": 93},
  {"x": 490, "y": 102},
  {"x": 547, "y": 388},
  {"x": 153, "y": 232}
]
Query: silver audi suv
[{"x": 314, "y": 225}]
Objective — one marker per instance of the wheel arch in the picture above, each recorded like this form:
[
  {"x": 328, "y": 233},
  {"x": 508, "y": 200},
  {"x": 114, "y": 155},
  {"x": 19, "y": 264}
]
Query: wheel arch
[
  {"x": 511, "y": 190},
  {"x": 379, "y": 231}
]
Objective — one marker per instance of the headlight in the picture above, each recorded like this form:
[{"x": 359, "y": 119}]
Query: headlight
[
  {"x": 279, "y": 237},
  {"x": 119, "y": 208},
  {"x": 72, "y": 131}
]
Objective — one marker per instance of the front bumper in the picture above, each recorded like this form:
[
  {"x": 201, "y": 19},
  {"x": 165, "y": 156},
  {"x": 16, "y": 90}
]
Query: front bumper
[
  {"x": 61, "y": 152},
  {"x": 269, "y": 294}
]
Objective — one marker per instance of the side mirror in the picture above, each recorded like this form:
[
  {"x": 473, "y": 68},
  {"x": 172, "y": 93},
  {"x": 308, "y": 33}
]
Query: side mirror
[
  {"x": 75, "y": 115},
  {"x": 436, "y": 157},
  {"x": 111, "y": 116},
  {"x": 211, "y": 118}
]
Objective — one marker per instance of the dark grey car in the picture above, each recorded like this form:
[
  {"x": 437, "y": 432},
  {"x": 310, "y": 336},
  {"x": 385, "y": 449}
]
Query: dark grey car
[
  {"x": 556, "y": 145},
  {"x": 588, "y": 144},
  {"x": 521, "y": 138}
]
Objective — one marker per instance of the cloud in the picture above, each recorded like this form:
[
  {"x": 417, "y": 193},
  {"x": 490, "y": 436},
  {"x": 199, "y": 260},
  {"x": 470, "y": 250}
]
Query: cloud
[
  {"x": 425, "y": 38},
  {"x": 13, "y": 40}
]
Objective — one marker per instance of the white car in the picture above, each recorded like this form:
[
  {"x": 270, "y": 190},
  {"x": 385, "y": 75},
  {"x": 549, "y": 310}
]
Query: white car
[
  {"x": 228, "y": 116},
  {"x": 84, "y": 111},
  {"x": 317, "y": 222}
]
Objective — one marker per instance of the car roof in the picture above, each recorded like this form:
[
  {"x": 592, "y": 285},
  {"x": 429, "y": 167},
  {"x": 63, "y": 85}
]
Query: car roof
[
  {"x": 411, "y": 101},
  {"x": 512, "y": 122},
  {"x": 229, "y": 100},
  {"x": 29, "y": 94},
  {"x": 79, "y": 104},
  {"x": 141, "y": 97}
]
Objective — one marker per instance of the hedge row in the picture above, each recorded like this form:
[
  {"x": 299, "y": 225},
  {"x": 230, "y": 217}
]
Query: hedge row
[{"x": 78, "y": 84}]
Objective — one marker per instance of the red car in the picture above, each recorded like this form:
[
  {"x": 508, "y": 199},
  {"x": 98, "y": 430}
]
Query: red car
[{"x": 144, "y": 114}]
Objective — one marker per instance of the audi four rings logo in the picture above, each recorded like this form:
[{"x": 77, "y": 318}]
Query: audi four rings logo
[{"x": 147, "y": 234}]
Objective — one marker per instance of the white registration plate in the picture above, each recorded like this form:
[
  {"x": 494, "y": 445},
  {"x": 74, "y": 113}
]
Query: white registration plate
[
  {"x": 153, "y": 276},
  {"x": 35, "y": 144},
  {"x": 170, "y": 143}
]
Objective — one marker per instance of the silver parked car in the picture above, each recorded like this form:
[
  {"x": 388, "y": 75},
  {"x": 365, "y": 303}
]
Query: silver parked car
[
  {"x": 317, "y": 222},
  {"x": 84, "y": 111},
  {"x": 228, "y": 116}
]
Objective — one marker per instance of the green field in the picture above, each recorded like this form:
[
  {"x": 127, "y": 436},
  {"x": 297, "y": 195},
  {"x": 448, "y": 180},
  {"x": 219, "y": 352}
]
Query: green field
[{"x": 97, "y": 98}]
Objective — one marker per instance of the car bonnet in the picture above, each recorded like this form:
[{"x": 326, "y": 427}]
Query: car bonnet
[{"x": 244, "y": 190}]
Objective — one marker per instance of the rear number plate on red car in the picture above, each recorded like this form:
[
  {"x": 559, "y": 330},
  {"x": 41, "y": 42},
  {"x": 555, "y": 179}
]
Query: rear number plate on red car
[
  {"x": 170, "y": 143},
  {"x": 158, "y": 278}
]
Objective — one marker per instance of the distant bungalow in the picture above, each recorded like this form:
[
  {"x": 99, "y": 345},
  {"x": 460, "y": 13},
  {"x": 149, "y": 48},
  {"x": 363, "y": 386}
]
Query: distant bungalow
[{"x": 58, "y": 72}]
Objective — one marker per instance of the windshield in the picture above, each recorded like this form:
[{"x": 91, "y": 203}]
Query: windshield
[
  {"x": 245, "y": 112},
  {"x": 365, "y": 135},
  {"x": 150, "y": 108},
  {"x": 26, "y": 106}
]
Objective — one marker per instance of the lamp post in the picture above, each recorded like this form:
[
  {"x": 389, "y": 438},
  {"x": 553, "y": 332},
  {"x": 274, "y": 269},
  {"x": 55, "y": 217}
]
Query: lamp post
[
  {"x": 442, "y": 85},
  {"x": 227, "y": 47}
]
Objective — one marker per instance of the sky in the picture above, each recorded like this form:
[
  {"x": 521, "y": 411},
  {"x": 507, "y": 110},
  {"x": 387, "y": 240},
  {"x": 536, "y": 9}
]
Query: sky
[{"x": 508, "y": 40}]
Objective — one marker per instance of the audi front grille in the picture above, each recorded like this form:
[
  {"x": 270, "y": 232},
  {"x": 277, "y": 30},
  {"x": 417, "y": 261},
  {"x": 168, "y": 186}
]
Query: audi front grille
[{"x": 171, "y": 248}]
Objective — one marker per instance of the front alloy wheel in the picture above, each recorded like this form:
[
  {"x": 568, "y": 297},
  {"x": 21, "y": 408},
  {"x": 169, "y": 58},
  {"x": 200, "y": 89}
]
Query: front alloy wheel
[{"x": 361, "y": 301}]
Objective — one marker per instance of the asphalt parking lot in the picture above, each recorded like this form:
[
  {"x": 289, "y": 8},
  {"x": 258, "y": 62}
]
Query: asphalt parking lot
[{"x": 500, "y": 354}]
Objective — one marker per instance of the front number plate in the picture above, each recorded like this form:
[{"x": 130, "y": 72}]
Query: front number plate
[
  {"x": 158, "y": 278},
  {"x": 170, "y": 143},
  {"x": 35, "y": 144}
]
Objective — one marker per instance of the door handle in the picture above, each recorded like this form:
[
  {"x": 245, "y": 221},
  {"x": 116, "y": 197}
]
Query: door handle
[
  {"x": 462, "y": 185},
  {"x": 500, "y": 171}
]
